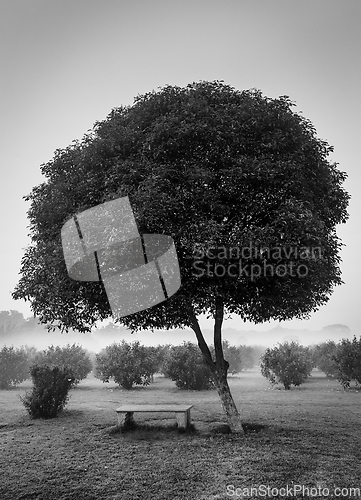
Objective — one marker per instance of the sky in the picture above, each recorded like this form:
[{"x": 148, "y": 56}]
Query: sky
[{"x": 66, "y": 64}]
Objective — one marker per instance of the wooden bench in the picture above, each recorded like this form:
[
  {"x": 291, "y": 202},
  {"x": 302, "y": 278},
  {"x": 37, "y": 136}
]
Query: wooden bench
[{"x": 182, "y": 413}]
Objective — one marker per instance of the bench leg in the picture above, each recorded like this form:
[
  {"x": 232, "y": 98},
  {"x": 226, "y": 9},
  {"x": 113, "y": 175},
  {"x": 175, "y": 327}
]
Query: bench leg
[
  {"x": 183, "y": 419},
  {"x": 125, "y": 419}
]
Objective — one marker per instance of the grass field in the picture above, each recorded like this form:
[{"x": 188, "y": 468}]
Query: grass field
[{"x": 309, "y": 436}]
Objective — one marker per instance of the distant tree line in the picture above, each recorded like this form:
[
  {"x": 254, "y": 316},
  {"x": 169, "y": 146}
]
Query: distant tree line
[
  {"x": 16, "y": 363},
  {"x": 13, "y": 321},
  {"x": 54, "y": 371},
  {"x": 128, "y": 364}
]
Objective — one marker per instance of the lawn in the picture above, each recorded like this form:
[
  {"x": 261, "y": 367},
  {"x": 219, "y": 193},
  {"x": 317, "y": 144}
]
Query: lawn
[{"x": 309, "y": 436}]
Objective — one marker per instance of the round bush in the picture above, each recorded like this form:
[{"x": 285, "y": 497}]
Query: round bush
[
  {"x": 185, "y": 366},
  {"x": 128, "y": 364},
  {"x": 288, "y": 364},
  {"x": 14, "y": 367},
  {"x": 50, "y": 392},
  {"x": 72, "y": 358}
]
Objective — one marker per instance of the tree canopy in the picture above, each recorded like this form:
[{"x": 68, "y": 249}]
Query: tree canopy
[{"x": 210, "y": 166}]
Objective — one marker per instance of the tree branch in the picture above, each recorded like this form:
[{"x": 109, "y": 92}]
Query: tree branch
[{"x": 201, "y": 342}]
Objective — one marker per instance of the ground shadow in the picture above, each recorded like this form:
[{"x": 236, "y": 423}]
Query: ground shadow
[{"x": 251, "y": 428}]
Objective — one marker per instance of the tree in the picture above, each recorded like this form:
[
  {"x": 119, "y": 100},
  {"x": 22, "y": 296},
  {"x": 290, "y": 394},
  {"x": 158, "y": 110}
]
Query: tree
[
  {"x": 216, "y": 169},
  {"x": 186, "y": 366},
  {"x": 288, "y": 364},
  {"x": 10, "y": 321},
  {"x": 232, "y": 355},
  {"x": 14, "y": 367},
  {"x": 348, "y": 360},
  {"x": 49, "y": 395},
  {"x": 248, "y": 356},
  {"x": 257, "y": 351},
  {"x": 127, "y": 363},
  {"x": 324, "y": 358},
  {"x": 238, "y": 357},
  {"x": 73, "y": 357},
  {"x": 163, "y": 352},
  {"x": 156, "y": 358}
]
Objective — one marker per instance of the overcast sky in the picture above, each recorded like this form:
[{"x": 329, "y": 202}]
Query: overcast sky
[{"x": 67, "y": 63}]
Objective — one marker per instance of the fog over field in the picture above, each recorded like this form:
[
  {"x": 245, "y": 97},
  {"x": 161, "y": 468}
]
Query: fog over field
[{"x": 28, "y": 332}]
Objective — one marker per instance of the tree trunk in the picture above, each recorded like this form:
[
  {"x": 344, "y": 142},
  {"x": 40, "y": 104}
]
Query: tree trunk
[
  {"x": 219, "y": 367},
  {"x": 228, "y": 404}
]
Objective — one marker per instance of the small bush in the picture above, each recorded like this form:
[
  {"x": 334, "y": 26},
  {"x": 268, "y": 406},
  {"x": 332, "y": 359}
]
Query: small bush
[
  {"x": 288, "y": 364},
  {"x": 163, "y": 354},
  {"x": 324, "y": 358},
  {"x": 240, "y": 357},
  {"x": 73, "y": 358},
  {"x": 50, "y": 391},
  {"x": 14, "y": 367},
  {"x": 157, "y": 357},
  {"x": 128, "y": 364},
  {"x": 232, "y": 355},
  {"x": 186, "y": 367},
  {"x": 348, "y": 360}
]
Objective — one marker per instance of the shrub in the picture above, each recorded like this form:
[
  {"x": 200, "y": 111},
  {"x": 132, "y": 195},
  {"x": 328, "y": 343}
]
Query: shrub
[
  {"x": 162, "y": 357},
  {"x": 31, "y": 353},
  {"x": 73, "y": 358},
  {"x": 288, "y": 364},
  {"x": 186, "y": 367},
  {"x": 128, "y": 364},
  {"x": 239, "y": 357},
  {"x": 348, "y": 360},
  {"x": 257, "y": 352},
  {"x": 158, "y": 356},
  {"x": 50, "y": 391},
  {"x": 324, "y": 358},
  {"x": 232, "y": 354},
  {"x": 14, "y": 367},
  {"x": 248, "y": 357}
]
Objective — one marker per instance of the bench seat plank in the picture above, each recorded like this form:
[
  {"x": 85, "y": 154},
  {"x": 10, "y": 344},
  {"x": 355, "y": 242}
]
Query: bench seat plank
[{"x": 153, "y": 408}]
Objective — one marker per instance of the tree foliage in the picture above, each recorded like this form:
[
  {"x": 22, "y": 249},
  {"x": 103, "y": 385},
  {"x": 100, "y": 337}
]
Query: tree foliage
[
  {"x": 348, "y": 360},
  {"x": 232, "y": 354},
  {"x": 14, "y": 366},
  {"x": 231, "y": 167},
  {"x": 324, "y": 358},
  {"x": 158, "y": 355},
  {"x": 255, "y": 357},
  {"x": 126, "y": 363},
  {"x": 249, "y": 356},
  {"x": 49, "y": 395},
  {"x": 186, "y": 367},
  {"x": 10, "y": 321},
  {"x": 239, "y": 358},
  {"x": 288, "y": 364},
  {"x": 74, "y": 358}
]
